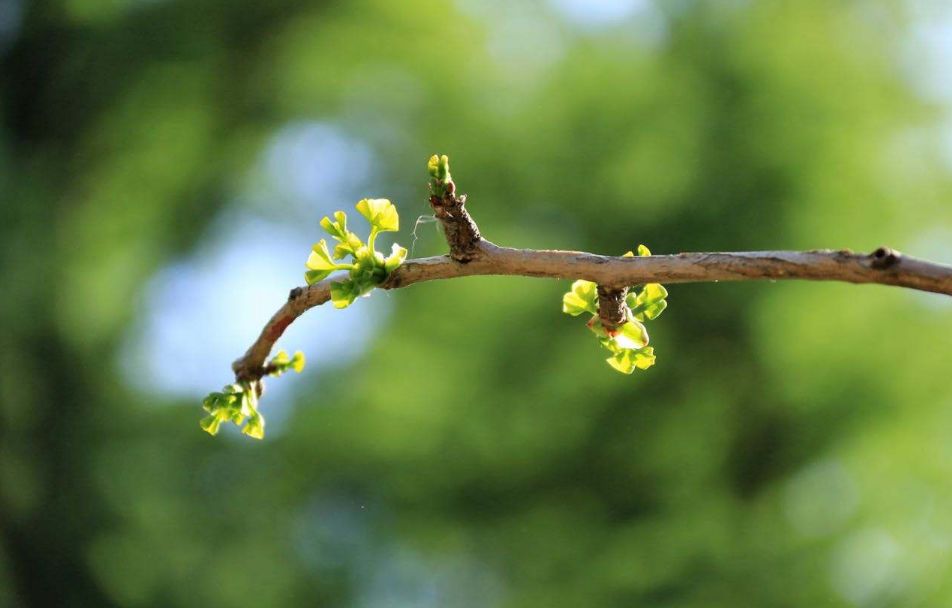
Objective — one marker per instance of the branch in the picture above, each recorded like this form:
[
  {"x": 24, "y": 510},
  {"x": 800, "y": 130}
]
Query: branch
[
  {"x": 884, "y": 266},
  {"x": 472, "y": 255}
]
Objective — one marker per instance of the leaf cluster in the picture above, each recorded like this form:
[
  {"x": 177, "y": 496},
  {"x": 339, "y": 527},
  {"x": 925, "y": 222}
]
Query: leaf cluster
[
  {"x": 368, "y": 267},
  {"x": 628, "y": 344},
  {"x": 238, "y": 402}
]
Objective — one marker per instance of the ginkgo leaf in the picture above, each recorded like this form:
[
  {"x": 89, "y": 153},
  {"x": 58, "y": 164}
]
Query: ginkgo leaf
[
  {"x": 381, "y": 214},
  {"x": 583, "y": 297},
  {"x": 631, "y": 335},
  {"x": 396, "y": 257},
  {"x": 320, "y": 258}
]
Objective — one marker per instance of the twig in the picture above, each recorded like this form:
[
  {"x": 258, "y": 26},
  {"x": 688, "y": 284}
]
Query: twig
[
  {"x": 883, "y": 266},
  {"x": 472, "y": 255}
]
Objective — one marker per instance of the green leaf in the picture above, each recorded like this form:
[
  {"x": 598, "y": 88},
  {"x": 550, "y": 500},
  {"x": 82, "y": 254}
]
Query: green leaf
[
  {"x": 622, "y": 361},
  {"x": 313, "y": 276},
  {"x": 643, "y": 251},
  {"x": 349, "y": 242},
  {"x": 365, "y": 259},
  {"x": 338, "y": 228},
  {"x": 342, "y": 294},
  {"x": 210, "y": 424},
  {"x": 627, "y": 361},
  {"x": 297, "y": 362},
  {"x": 350, "y": 247},
  {"x": 211, "y": 403},
  {"x": 320, "y": 264},
  {"x": 320, "y": 258},
  {"x": 255, "y": 426},
  {"x": 381, "y": 214},
  {"x": 644, "y": 358},
  {"x": 583, "y": 297},
  {"x": 281, "y": 363},
  {"x": 649, "y": 303},
  {"x": 631, "y": 335},
  {"x": 249, "y": 404},
  {"x": 396, "y": 257}
]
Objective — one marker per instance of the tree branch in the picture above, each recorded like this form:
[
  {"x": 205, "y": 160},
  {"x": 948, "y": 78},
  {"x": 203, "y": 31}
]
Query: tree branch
[
  {"x": 472, "y": 255},
  {"x": 883, "y": 266}
]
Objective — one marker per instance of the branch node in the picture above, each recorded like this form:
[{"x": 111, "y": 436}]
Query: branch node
[
  {"x": 295, "y": 294},
  {"x": 884, "y": 257},
  {"x": 462, "y": 234},
  {"x": 611, "y": 307},
  {"x": 245, "y": 374}
]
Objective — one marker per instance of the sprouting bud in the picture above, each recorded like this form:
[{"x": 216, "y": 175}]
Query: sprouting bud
[{"x": 439, "y": 168}]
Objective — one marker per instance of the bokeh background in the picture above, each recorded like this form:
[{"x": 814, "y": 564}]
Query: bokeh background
[{"x": 164, "y": 165}]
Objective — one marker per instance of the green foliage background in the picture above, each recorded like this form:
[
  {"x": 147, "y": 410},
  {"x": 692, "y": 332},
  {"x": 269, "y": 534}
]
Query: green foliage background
[{"x": 793, "y": 446}]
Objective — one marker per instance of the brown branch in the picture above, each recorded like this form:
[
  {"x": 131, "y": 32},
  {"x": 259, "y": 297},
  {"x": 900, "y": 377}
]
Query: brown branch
[
  {"x": 460, "y": 230},
  {"x": 883, "y": 266},
  {"x": 612, "y": 310},
  {"x": 471, "y": 255}
]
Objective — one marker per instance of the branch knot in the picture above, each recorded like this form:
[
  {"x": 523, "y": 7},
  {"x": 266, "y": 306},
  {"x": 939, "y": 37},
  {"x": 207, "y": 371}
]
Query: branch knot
[
  {"x": 884, "y": 257},
  {"x": 462, "y": 234},
  {"x": 612, "y": 310}
]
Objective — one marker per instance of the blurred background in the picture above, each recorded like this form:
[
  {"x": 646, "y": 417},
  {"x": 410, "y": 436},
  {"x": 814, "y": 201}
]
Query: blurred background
[{"x": 164, "y": 165}]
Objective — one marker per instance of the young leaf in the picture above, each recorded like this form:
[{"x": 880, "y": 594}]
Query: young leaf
[
  {"x": 320, "y": 264},
  {"x": 381, "y": 214},
  {"x": 627, "y": 360},
  {"x": 649, "y": 303},
  {"x": 622, "y": 361},
  {"x": 396, "y": 257},
  {"x": 255, "y": 426},
  {"x": 281, "y": 363},
  {"x": 210, "y": 424},
  {"x": 583, "y": 297},
  {"x": 320, "y": 258},
  {"x": 342, "y": 294},
  {"x": 337, "y": 229},
  {"x": 348, "y": 247},
  {"x": 297, "y": 362},
  {"x": 313, "y": 276},
  {"x": 644, "y": 358},
  {"x": 632, "y": 335}
]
